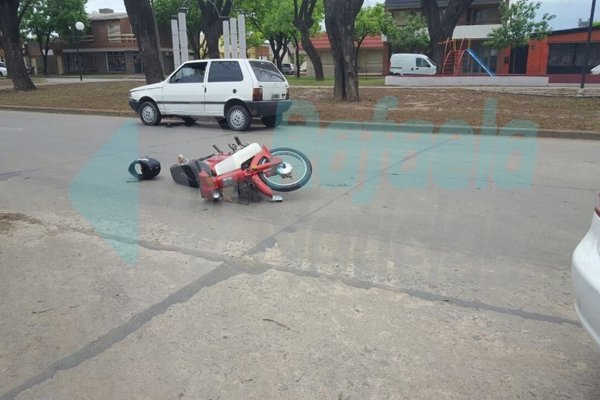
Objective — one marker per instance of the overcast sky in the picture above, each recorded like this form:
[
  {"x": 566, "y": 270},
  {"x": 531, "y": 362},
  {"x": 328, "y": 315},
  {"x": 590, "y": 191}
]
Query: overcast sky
[{"x": 567, "y": 12}]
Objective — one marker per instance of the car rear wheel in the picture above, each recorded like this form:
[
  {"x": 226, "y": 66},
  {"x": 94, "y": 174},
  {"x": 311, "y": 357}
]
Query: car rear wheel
[
  {"x": 149, "y": 113},
  {"x": 238, "y": 118}
]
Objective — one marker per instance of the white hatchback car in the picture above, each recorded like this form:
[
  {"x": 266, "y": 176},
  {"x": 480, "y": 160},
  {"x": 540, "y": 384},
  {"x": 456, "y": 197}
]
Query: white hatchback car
[
  {"x": 231, "y": 90},
  {"x": 585, "y": 273}
]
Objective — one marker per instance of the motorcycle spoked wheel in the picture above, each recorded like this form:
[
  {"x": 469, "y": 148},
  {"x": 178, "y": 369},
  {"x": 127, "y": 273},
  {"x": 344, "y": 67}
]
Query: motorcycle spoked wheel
[{"x": 301, "y": 170}]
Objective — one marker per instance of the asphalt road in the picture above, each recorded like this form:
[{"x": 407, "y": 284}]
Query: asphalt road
[{"x": 412, "y": 266}]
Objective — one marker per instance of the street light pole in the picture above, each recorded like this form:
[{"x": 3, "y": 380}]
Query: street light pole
[
  {"x": 584, "y": 69},
  {"x": 79, "y": 28}
]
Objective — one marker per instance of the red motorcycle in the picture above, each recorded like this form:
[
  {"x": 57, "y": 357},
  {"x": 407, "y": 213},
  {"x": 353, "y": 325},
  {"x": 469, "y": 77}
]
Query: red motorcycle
[{"x": 250, "y": 167}]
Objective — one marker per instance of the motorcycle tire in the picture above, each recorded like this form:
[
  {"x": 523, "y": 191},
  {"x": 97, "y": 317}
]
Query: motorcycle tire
[{"x": 298, "y": 160}]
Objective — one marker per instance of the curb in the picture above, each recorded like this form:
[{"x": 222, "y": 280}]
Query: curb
[
  {"x": 414, "y": 128},
  {"x": 365, "y": 126}
]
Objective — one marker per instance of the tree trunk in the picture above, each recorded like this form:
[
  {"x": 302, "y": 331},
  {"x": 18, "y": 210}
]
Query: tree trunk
[
  {"x": 339, "y": 21},
  {"x": 303, "y": 21},
  {"x": 296, "y": 55},
  {"x": 11, "y": 42},
  {"x": 441, "y": 23},
  {"x": 213, "y": 14},
  {"x": 313, "y": 55},
  {"x": 279, "y": 48},
  {"x": 143, "y": 25}
]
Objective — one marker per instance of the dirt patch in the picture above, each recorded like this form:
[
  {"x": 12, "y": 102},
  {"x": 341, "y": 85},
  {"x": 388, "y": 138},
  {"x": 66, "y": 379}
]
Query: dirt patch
[
  {"x": 549, "y": 108},
  {"x": 7, "y": 221},
  {"x": 440, "y": 106}
]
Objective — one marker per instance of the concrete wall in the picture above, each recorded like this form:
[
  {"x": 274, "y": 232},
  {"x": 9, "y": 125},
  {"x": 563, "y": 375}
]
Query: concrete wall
[{"x": 459, "y": 81}]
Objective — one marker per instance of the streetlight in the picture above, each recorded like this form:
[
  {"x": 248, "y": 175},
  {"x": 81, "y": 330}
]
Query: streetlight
[{"x": 79, "y": 27}]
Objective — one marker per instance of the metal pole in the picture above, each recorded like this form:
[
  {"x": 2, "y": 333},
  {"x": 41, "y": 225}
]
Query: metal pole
[
  {"x": 584, "y": 68},
  {"x": 79, "y": 57}
]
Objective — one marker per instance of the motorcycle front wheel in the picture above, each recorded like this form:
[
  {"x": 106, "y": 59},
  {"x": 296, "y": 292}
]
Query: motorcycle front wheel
[{"x": 293, "y": 173}]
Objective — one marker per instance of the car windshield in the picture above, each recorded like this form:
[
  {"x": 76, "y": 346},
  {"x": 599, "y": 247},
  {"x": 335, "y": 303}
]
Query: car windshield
[{"x": 265, "y": 71}]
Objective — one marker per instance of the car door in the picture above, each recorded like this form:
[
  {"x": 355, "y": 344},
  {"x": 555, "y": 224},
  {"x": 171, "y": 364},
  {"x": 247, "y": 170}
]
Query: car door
[
  {"x": 423, "y": 66},
  {"x": 225, "y": 81},
  {"x": 183, "y": 94}
]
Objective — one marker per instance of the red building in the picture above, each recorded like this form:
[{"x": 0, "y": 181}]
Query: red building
[{"x": 561, "y": 55}]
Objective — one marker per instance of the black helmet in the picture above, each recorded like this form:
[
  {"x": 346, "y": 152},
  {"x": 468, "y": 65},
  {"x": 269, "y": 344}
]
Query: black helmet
[{"x": 150, "y": 168}]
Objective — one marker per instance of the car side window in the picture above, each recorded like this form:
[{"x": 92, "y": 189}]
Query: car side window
[
  {"x": 190, "y": 73},
  {"x": 421, "y": 62},
  {"x": 225, "y": 71}
]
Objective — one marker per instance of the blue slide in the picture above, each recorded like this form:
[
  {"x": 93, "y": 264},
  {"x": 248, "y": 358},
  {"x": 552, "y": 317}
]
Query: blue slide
[{"x": 481, "y": 63}]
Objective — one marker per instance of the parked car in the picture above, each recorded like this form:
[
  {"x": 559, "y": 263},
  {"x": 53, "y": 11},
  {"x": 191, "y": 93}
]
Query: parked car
[
  {"x": 3, "y": 71},
  {"x": 585, "y": 273},
  {"x": 231, "y": 90},
  {"x": 411, "y": 64},
  {"x": 288, "y": 69},
  {"x": 595, "y": 70}
]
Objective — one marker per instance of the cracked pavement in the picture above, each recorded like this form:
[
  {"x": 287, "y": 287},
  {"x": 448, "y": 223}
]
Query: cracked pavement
[{"x": 420, "y": 292}]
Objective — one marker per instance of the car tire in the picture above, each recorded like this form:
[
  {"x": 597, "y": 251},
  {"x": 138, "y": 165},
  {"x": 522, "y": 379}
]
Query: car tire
[
  {"x": 149, "y": 114},
  {"x": 238, "y": 118}
]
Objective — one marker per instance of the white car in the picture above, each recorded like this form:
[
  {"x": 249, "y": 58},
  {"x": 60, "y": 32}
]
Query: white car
[
  {"x": 585, "y": 273},
  {"x": 3, "y": 71},
  {"x": 232, "y": 90},
  {"x": 288, "y": 69},
  {"x": 595, "y": 70}
]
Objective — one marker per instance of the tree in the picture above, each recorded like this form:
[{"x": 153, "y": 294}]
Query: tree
[
  {"x": 518, "y": 26},
  {"x": 272, "y": 19},
  {"x": 47, "y": 20},
  {"x": 596, "y": 24},
  {"x": 304, "y": 21},
  {"x": 213, "y": 12},
  {"x": 10, "y": 20},
  {"x": 411, "y": 37},
  {"x": 165, "y": 9},
  {"x": 441, "y": 22},
  {"x": 143, "y": 25},
  {"x": 340, "y": 16},
  {"x": 372, "y": 21}
]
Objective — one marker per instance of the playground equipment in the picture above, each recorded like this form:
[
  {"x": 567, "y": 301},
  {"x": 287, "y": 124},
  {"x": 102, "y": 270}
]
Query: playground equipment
[{"x": 454, "y": 55}]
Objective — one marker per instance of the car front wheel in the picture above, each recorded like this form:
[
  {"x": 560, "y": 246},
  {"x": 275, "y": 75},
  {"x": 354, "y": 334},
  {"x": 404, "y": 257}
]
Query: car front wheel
[
  {"x": 238, "y": 118},
  {"x": 149, "y": 113}
]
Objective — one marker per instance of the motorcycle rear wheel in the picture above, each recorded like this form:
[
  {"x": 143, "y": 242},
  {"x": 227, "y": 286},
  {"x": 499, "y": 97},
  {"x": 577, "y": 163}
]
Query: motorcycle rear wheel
[{"x": 301, "y": 170}]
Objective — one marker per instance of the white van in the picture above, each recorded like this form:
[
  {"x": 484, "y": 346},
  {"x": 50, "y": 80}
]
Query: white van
[{"x": 411, "y": 64}]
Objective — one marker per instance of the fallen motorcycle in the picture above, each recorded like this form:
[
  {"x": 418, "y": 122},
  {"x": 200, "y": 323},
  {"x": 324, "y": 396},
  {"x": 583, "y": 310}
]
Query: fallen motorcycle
[{"x": 249, "y": 167}]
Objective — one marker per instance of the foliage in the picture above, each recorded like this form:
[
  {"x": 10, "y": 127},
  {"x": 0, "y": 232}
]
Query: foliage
[
  {"x": 306, "y": 13},
  {"x": 596, "y": 24},
  {"x": 411, "y": 36},
  {"x": 373, "y": 20},
  {"x": 518, "y": 25},
  {"x": 270, "y": 20},
  {"x": 441, "y": 22},
  {"x": 47, "y": 20},
  {"x": 53, "y": 18},
  {"x": 165, "y": 9}
]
